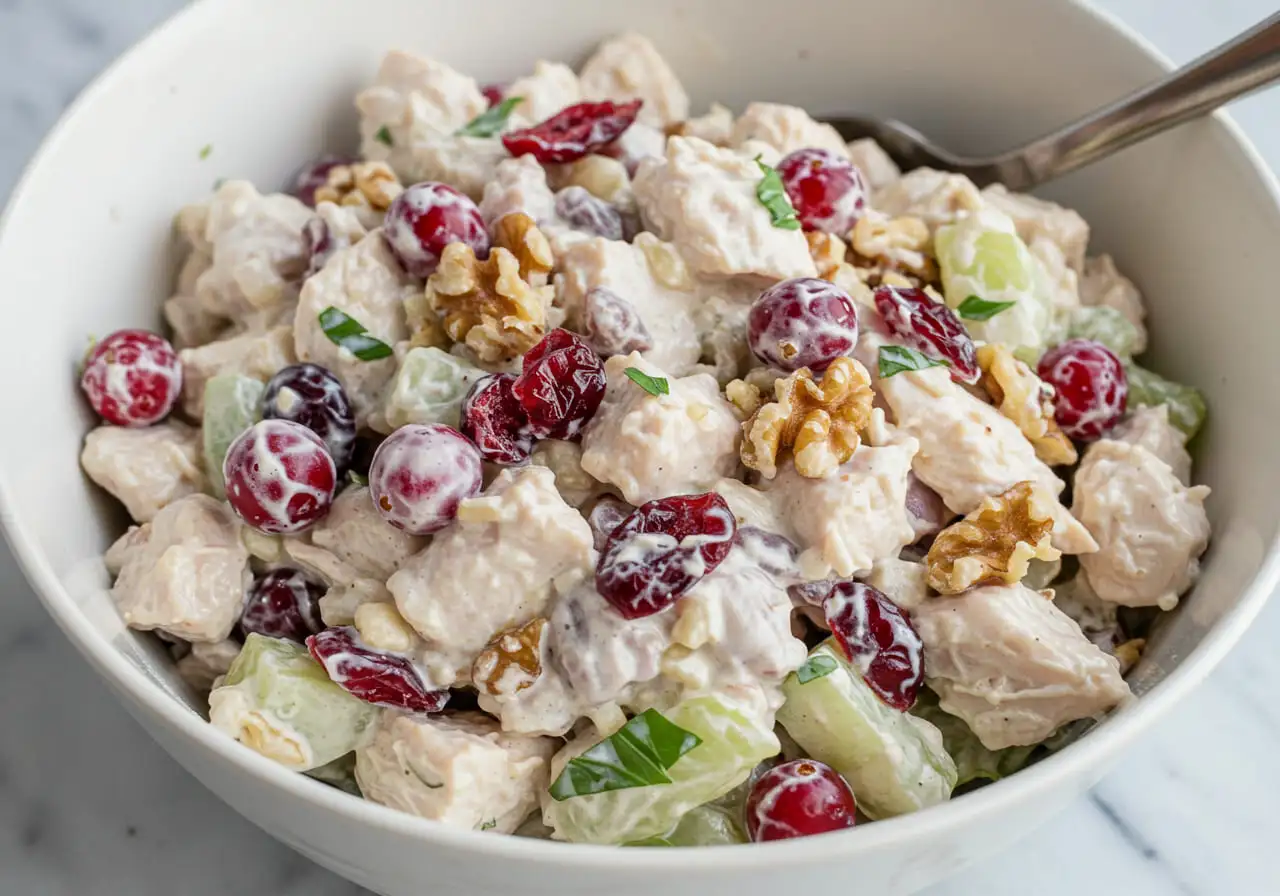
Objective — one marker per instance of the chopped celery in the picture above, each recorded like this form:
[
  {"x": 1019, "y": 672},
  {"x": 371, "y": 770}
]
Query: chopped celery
[
  {"x": 973, "y": 760},
  {"x": 1106, "y": 325},
  {"x": 232, "y": 403},
  {"x": 707, "y": 825},
  {"x": 341, "y": 773},
  {"x": 1186, "y": 405},
  {"x": 429, "y": 388}
]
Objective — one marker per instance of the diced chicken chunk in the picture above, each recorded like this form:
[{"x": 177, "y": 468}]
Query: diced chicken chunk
[
  {"x": 1102, "y": 284},
  {"x": 1012, "y": 665},
  {"x": 185, "y": 572},
  {"x": 1064, "y": 282},
  {"x": 904, "y": 581},
  {"x": 651, "y": 446},
  {"x": 703, "y": 199},
  {"x": 1040, "y": 218},
  {"x": 716, "y": 126},
  {"x": 1149, "y": 427},
  {"x": 340, "y": 602},
  {"x": 936, "y": 197},
  {"x": 457, "y": 768},
  {"x": 357, "y": 534},
  {"x": 786, "y": 129},
  {"x": 257, "y": 355},
  {"x": 519, "y": 185},
  {"x": 629, "y": 67},
  {"x": 874, "y": 163},
  {"x": 1150, "y": 528},
  {"x": 191, "y": 322},
  {"x": 552, "y": 86},
  {"x": 207, "y": 662},
  {"x": 145, "y": 469}
]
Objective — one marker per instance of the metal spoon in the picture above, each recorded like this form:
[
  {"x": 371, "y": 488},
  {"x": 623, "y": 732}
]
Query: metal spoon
[{"x": 1233, "y": 69}]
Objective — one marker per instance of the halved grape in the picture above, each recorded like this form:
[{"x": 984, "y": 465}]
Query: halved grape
[
  {"x": 1187, "y": 408},
  {"x": 973, "y": 760},
  {"x": 734, "y": 739},
  {"x": 232, "y": 403},
  {"x": 429, "y": 388},
  {"x": 701, "y": 826},
  {"x": 894, "y": 762},
  {"x": 1106, "y": 325},
  {"x": 279, "y": 702}
]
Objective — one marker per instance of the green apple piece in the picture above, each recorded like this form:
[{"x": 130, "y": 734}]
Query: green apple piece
[
  {"x": 1105, "y": 325},
  {"x": 1187, "y": 408},
  {"x": 232, "y": 403},
  {"x": 707, "y": 825},
  {"x": 895, "y": 762},
  {"x": 973, "y": 760},
  {"x": 429, "y": 388}
]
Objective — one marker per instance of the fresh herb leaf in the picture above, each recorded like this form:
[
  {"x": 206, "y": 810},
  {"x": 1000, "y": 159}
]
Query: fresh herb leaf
[
  {"x": 975, "y": 308},
  {"x": 383, "y": 136},
  {"x": 814, "y": 668},
  {"x": 206, "y": 151},
  {"x": 897, "y": 358},
  {"x": 636, "y": 755},
  {"x": 351, "y": 335},
  {"x": 654, "y": 385},
  {"x": 492, "y": 120},
  {"x": 489, "y": 825},
  {"x": 773, "y": 196},
  {"x": 356, "y": 478}
]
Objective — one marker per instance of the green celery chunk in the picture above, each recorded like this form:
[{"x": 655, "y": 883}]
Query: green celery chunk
[
  {"x": 702, "y": 826},
  {"x": 973, "y": 760},
  {"x": 429, "y": 388},
  {"x": 1187, "y": 408},
  {"x": 1105, "y": 325},
  {"x": 232, "y": 403}
]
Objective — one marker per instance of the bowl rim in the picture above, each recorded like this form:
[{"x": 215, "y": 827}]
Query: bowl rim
[{"x": 1091, "y": 752}]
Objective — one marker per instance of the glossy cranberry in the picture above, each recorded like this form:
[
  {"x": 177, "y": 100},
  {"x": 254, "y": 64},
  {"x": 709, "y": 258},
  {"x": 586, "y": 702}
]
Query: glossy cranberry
[
  {"x": 318, "y": 238},
  {"x": 560, "y": 386},
  {"x": 425, "y": 218},
  {"x": 582, "y": 211},
  {"x": 573, "y": 132},
  {"x": 494, "y": 421},
  {"x": 879, "y": 640},
  {"x": 280, "y": 477},
  {"x": 926, "y": 511},
  {"x": 310, "y": 395},
  {"x": 828, "y": 192},
  {"x": 283, "y": 603},
  {"x": 420, "y": 475},
  {"x": 612, "y": 324},
  {"x": 1092, "y": 389},
  {"x": 377, "y": 677},
  {"x": 799, "y": 799},
  {"x": 493, "y": 93},
  {"x": 662, "y": 550},
  {"x": 928, "y": 327},
  {"x": 776, "y": 555},
  {"x": 606, "y": 515},
  {"x": 315, "y": 175},
  {"x": 812, "y": 593},
  {"x": 804, "y": 322},
  {"x": 132, "y": 378}
]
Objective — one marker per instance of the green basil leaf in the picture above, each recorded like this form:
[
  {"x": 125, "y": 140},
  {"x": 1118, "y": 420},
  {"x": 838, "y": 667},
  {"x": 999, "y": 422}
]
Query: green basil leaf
[
  {"x": 491, "y": 121},
  {"x": 975, "y": 308},
  {"x": 773, "y": 196},
  {"x": 636, "y": 755},
  {"x": 654, "y": 385},
  {"x": 206, "y": 151},
  {"x": 489, "y": 825},
  {"x": 897, "y": 358},
  {"x": 351, "y": 335},
  {"x": 814, "y": 668},
  {"x": 384, "y": 136}
]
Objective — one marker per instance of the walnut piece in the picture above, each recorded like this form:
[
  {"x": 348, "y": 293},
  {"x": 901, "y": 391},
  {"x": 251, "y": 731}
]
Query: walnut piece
[
  {"x": 519, "y": 235},
  {"x": 486, "y": 304},
  {"x": 818, "y": 421},
  {"x": 828, "y": 252},
  {"x": 1023, "y": 398},
  {"x": 995, "y": 543},
  {"x": 883, "y": 245},
  {"x": 512, "y": 661},
  {"x": 744, "y": 396},
  {"x": 1129, "y": 653},
  {"x": 367, "y": 184}
]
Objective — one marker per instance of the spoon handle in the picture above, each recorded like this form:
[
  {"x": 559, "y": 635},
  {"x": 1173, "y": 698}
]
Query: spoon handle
[{"x": 1233, "y": 69}]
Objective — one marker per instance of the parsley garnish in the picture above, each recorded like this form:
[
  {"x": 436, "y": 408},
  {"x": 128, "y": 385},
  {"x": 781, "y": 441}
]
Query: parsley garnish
[
  {"x": 897, "y": 358},
  {"x": 814, "y": 668},
  {"x": 489, "y": 825},
  {"x": 975, "y": 308},
  {"x": 654, "y": 385},
  {"x": 636, "y": 755},
  {"x": 206, "y": 151},
  {"x": 773, "y": 196},
  {"x": 351, "y": 335},
  {"x": 356, "y": 479},
  {"x": 383, "y": 136},
  {"x": 492, "y": 120}
]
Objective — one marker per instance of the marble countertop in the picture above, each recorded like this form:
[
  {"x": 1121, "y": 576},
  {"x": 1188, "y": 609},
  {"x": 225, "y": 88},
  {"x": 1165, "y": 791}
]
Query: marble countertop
[{"x": 1190, "y": 810}]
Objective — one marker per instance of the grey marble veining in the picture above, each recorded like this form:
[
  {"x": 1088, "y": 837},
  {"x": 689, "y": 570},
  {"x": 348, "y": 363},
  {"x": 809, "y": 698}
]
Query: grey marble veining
[{"x": 1190, "y": 810}]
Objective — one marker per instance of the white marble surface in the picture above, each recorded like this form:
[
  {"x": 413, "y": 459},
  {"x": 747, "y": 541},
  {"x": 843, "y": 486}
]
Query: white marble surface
[{"x": 1191, "y": 810}]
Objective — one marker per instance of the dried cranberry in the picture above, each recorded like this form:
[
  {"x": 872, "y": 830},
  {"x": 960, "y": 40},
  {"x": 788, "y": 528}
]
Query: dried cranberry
[
  {"x": 377, "y": 677},
  {"x": 612, "y": 324},
  {"x": 776, "y": 555},
  {"x": 662, "y": 550},
  {"x": 283, "y": 603},
  {"x": 420, "y": 475},
  {"x": 560, "y": 386},
  {"x": 879, "y": 640},
  {"x": 494, "y": 421},
  {"x": 828, "y": 192},
  {"x": 280, "y": 477},
  {"x": 315, "y": 175},
  {"x": 606, "y": 515},
  {"x": 799, "y": 799},
  {"x": 812, "y": 593},
  {"x": 425, "y": 218},
  {"x": 310, "y": 395},
  {"x": 573, "y": 132},
  {"x": 317, "y": 236},
  {"x": 929, "y": 327},
  {"x": 132, "y": 378},
  {"x": 805, "y": 322},
  {"x": 1091, "y": 385},
  {"x": 926, "y": 511},
  {"x": 493, "y": 93},
  {"x": 582, "y": 211}
]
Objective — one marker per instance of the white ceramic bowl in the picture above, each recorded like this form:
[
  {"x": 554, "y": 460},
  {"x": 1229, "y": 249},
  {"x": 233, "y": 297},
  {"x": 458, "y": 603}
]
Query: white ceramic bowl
[{"x": 84, "y": 248}]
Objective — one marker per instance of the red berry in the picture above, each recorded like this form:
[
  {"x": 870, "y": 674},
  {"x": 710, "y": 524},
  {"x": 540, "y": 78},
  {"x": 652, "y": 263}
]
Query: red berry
[
  {"x": 560, "y": 386},
  {"x": 283, "y": 603},
  {"x": 605, "y": 516},
  {"x": 612, "y": 324},
  {"x": 662, "y": 550},
  {"x": 493, "y": 93},
  {"x": 928, "y": 327},
  {"x": 1092, "y": 389},
  {"x": 310, "y": 395},
  {"x": 317, "y": 236},
  {"x": 573, "y": 132},
  {"x": 805, "y": 322},
  {"x": 377, "y": 677},
  {"x": 879, "y": 640},
  {"x": 494, "y": 421},
  {"x": 280, "y": 477},
  {"x": 421, "y": 473},
  {"x": 425, "y": 218},
  {"x": 775, "y": 555},
  {"x": 582, "y": 211},
  {"x": 132, "y": 378},
  {"x": 799, "y": 799},
  {"x": 828, "y": 192},
  {"x": 314, "y": 175},
  {"x": 926, "y": 511}
]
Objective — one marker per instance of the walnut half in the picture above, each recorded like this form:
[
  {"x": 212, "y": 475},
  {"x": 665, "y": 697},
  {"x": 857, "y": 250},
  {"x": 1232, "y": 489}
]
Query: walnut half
[
  {"x": 883, "y": 246},
  {"x": 1024, "y": 399},
  {"x": 818, "y": 421},
  {"x": 519, "y": 235},
  {"x": 365, "y": 184},
  {"x": 995, "y": 543},
  {"x": 512, "y": 661}
]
